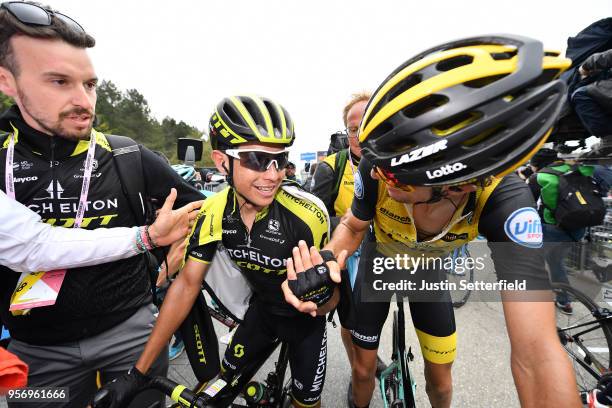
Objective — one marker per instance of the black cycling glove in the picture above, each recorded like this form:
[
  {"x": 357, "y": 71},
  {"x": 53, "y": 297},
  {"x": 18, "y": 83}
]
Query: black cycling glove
[
  {"x": 119, "y": 392},
  {"x": 314, "y": 284}
]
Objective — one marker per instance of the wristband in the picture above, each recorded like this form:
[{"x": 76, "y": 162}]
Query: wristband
[
  {"x": 153, "y": 243},
  {"x": 140, "y": 246},
  {"x": 145, "y": 239}
]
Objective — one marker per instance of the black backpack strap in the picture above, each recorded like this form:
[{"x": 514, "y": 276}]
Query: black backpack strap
[{"x": 128, "y": 162}]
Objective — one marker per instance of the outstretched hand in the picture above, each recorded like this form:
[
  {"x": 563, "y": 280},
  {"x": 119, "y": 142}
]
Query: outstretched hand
[
  {"x": 172, "y": 225},
  {"x": 304, "y": 259}
]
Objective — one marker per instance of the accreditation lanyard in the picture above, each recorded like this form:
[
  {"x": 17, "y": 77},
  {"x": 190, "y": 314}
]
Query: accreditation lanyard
[{"x": 44, "y": 295}]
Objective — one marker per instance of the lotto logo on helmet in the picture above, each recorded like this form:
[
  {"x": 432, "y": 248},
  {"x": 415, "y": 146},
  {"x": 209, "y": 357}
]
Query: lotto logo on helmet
[
  {"x": 524, "y": 227},
  {"x": 418, "y": 154},
  {"x": 445, "y": 170}
]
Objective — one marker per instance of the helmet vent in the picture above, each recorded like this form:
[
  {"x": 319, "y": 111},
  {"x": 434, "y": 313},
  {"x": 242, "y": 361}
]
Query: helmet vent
[
  {"x": 381, "y": 130},
  {"x": 455, "y": 62},
  {"x": 481, "y": 137},
  {"x": 276, "y": 121},
  {"x": 455, "y": 123},
  {"x": 498, "y": 56},
  {"x": 400, "y": 146},
  {"x": 398, "y": 89},
  {"x": 233, "y": 114},
  {"x": 252, "y": 109},
  {"x": 482, "y": 82},
  {"x": 424, "y": 105}
]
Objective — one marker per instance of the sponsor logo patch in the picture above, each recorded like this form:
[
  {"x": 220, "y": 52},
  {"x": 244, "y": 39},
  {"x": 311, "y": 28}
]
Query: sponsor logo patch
[
  {"x": 358, "y": 186},
  {"x": 524, "y": 227}
]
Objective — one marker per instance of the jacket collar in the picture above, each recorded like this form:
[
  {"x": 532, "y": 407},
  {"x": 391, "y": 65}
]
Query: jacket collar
[{"x": 36, "y": 141}]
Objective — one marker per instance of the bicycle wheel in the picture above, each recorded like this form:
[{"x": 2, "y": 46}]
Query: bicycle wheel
[
  {"x": 458, "y": 274},
  {"x": 586, "y": 335}
]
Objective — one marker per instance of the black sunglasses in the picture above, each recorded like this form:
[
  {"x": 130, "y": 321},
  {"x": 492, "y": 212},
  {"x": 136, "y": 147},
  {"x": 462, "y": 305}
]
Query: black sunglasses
[{"x": 32, "y": 14}]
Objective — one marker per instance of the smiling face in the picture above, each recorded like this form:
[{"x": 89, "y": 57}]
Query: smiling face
[
  {"x": 258, "y": 187},
  {"x": 55, "y": 88}
]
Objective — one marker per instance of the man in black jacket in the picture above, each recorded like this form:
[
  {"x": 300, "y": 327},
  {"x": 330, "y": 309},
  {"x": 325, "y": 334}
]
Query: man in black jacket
[
  {"x": 54, "y": 162},
  {"x": 593, "y": 102}
]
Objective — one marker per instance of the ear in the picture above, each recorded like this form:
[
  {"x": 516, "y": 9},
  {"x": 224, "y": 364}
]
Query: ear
[
  {"x": 454, "y": 191},
  {"x": 220, "y": 159},
  {"x": 8, "y": 83}
]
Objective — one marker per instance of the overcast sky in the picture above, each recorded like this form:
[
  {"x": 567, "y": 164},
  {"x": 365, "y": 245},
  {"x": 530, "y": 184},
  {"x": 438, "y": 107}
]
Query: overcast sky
[{"x": 184, "y": 56}]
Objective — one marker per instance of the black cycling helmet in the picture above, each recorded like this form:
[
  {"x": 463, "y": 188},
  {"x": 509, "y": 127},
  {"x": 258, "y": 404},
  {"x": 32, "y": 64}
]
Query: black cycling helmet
[
  {"x": 243, "y": 119},
  {"x": 543, "y": 158},
  {"x": 463, "y": 111}
]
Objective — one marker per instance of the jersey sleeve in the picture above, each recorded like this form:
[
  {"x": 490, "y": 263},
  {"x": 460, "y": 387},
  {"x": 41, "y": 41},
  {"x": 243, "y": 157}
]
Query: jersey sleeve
[
  {"x": 160, "y": 178},
  {"x": 366, "y": 192},
  {"x": 513, "y": 230},
  {"x": 196, "y": 249}
]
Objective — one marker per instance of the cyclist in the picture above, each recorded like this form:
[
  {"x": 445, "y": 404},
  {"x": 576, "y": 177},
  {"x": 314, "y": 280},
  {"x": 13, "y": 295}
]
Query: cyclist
[
  {"x": 258, "y": 222},
  {"x": 440, "y": 139}
]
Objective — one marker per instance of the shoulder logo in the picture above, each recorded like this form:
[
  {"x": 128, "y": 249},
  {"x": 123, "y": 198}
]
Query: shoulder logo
[
  {"x": 524, "y": 227},
  {"x": 358, "y": 186}
]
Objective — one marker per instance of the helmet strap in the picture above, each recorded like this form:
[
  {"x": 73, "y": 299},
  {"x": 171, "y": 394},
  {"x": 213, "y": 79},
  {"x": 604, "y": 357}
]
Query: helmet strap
[
  {"x": 230, "y": 181},
  {"x": 436, "y": 195}
]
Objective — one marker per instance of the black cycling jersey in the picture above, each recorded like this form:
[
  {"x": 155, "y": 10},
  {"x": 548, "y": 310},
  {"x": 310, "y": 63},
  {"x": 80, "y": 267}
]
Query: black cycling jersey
[
  {"x": 48, "y": 175},
  {"x": 261, "y": 253}
]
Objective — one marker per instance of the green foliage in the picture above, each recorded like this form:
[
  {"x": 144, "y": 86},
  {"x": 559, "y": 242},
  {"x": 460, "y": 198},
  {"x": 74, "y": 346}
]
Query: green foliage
[
  {"x": 128, "y": 114},
  {"x": 5, "y": 102}
]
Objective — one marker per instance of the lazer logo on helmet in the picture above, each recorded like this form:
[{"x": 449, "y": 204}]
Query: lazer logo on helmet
[
  {"x": 445, "y": 170},
  {"x": 419, "y": 153}
]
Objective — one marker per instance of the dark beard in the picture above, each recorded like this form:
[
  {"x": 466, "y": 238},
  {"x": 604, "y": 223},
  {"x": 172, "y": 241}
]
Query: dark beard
[{"x": 57, "y": 129}]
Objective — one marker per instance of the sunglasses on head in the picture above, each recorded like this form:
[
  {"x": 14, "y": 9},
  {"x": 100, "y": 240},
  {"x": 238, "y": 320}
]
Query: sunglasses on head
[
  {"x": 34, "y": 15},
  {"x": 388, "y": 178},
  {"x": 259, "y": 159}
]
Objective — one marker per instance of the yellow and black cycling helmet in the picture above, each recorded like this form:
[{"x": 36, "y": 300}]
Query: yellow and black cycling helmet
[
  {"x": 244, "y": 119},
  {"x": 463, "y": 111}
]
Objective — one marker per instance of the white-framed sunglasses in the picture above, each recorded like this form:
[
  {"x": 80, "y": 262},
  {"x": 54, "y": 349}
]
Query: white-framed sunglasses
[{"x": 258, "y": 159}]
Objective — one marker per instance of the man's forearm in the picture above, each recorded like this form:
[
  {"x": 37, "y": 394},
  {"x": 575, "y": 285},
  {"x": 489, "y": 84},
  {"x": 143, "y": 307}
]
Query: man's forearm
[
  {"x": 541, "y": 369},
  {"x": 345, "y": 237},
  {"x": 177, "y": 304}
]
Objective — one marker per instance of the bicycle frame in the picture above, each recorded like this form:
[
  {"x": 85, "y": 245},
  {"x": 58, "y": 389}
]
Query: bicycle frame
[
  {"x": 225, "y": 396},
  {"x": 397, "y": 374},
  {"x": 588, "y": 355}
]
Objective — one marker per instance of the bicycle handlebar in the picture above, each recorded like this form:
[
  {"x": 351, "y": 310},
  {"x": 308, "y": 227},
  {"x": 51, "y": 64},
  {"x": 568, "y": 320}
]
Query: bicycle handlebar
[{"x": 176, "y": 392}]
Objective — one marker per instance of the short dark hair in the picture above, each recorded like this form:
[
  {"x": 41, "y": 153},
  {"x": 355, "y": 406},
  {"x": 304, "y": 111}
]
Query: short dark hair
[{"x": 10, "y": 26}]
